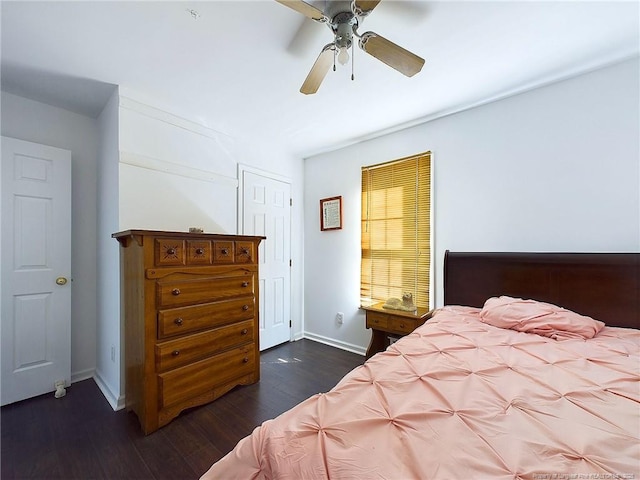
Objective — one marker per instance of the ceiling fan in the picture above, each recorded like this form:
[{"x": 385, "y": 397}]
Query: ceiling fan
[{"x": 344, "y": 18}]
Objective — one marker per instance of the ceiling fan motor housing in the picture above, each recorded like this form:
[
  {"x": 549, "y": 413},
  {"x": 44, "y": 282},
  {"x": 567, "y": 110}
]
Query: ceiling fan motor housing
[{"x": 343, "y": 26}]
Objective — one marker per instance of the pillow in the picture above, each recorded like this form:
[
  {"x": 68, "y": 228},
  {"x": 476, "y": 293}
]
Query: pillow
[{"x": 531, "y": 316}]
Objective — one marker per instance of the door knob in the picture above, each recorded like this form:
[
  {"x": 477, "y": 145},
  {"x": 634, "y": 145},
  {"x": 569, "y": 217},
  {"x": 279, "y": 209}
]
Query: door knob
[{"x": 61, "y": 281}]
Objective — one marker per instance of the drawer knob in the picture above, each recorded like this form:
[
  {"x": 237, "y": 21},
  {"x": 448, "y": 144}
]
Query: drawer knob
[
  {"x": 245, "y": 360},
  {"x": 245, "y": 307},
  {"x": 175, "y": 291},
  {"x": 175, "y": 353},
  {"x": 171, "y": 251},
  {"x": 199, "y": 251},
  {"x": 244, "y": 331},
  {"x": 225, "y": 251},
  {"x": 402, "y": 325},
  {"x": 245, "y": 284},
  {"x": 178, "y": 321},
  {"x": 245, "y": 251}
]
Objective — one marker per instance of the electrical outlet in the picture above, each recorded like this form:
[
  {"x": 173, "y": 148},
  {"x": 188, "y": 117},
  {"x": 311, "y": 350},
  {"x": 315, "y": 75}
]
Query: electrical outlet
[{"x": 339, "y": 318}]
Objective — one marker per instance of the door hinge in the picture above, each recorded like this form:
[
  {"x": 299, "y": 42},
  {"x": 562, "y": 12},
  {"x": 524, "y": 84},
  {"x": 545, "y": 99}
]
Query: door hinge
[
  {"x": 290, "y": 324},
  {"x": 291, "y": 202},
  {"x": 289, "y": 262}
]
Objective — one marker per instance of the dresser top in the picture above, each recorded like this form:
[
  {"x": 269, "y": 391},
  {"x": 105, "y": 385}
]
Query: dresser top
[{"x": 161, "y": 233}]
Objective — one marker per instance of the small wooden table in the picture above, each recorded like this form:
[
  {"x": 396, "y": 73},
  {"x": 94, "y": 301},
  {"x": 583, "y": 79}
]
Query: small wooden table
[{"x": 384, "y": 321}]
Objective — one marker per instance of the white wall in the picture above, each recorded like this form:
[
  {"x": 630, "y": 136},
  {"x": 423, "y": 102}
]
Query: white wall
[
  {"x": 552, "y": 169},
  {"x": 41, "y": 123},
  {"x": 109, "y": 332},
  {"x": 174, "y": 173}
]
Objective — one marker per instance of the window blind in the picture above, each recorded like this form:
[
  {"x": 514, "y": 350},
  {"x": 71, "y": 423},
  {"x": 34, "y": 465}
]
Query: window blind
[{"x": 396, "y": 220}]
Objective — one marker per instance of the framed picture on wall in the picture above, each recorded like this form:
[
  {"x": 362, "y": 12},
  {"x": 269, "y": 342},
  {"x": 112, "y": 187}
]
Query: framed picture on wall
[{"x": 331, "y": 213}]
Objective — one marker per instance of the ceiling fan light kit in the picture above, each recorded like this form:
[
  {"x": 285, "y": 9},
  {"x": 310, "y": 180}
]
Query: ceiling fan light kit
[{"x": 343, "y": 18}]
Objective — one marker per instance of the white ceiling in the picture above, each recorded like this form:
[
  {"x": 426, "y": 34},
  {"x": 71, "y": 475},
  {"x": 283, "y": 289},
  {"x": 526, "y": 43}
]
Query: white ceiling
[{"x": 235, "y": 69}]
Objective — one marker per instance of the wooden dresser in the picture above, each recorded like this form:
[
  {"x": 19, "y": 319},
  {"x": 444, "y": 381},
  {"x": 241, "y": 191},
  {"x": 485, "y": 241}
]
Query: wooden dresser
[
  {"x": 385, "y": 322},
  {"x": 190, "y": 314}
]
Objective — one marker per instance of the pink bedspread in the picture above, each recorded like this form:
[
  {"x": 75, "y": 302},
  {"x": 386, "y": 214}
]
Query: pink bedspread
[{"x": 460, "y": 399}]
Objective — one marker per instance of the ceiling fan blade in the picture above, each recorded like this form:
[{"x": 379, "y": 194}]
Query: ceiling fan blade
[
  {"x": 304, "y": 8},
  {"x": 393, "y": 55},
  {"x": 318, "y": 71},
  {"x": 363, "y": 7}
]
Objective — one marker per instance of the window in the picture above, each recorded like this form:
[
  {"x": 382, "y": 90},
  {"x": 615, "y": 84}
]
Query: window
[{"x": 396, "y": 224}]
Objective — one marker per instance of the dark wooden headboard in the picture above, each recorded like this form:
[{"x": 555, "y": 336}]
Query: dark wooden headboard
[{"x": 604, "y": 286}]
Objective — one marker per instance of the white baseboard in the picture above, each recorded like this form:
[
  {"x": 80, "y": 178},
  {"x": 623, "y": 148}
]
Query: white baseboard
[
  {"x": 116, "y": 402},
  {"x": 332, "y": 342},
  {"x": 83, "y": 375}
]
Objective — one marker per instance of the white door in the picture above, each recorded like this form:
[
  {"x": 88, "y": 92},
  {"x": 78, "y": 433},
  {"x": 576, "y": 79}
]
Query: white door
[
  {"x": 267, "y": 212},
  {"x": 36, "y": 253}
]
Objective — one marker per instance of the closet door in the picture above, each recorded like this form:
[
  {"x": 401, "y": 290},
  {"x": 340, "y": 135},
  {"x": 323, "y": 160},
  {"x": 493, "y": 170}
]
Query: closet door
[
  {"x": 267, "y": 212},
  {"x": 36, "y": 269}
]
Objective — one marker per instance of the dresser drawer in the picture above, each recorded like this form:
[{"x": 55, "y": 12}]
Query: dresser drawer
[
  {"x": 244, "y": 252},
  {"x": 175, "y": 353},
  {"x": 199, "y": 252},
  {"x": 377, "y": 320},
  {"x": 223, "y": 252},
  {"x": 198, "y": 378},
  {"x": 403, "y": 325},
  {"x": 173, "y": 293},
  {"x": 180, "y": 321},
  {"x": 169, "y": 252}
]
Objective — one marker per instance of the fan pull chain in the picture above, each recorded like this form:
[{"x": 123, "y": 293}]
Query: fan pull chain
[
  {"x": 334, "y": 58},
  {"x": 353, "y": 57}
]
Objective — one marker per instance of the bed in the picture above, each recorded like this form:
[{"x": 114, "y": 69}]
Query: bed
[{"x": 530, "y": 371}]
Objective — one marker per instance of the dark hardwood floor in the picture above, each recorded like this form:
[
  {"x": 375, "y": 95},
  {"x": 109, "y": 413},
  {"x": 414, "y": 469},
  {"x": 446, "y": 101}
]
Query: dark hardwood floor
[{"x": 80, "y": 436}]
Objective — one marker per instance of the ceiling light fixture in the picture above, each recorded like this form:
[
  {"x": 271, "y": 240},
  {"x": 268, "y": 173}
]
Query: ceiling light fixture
[{"x": 343, "y": 56}]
